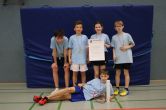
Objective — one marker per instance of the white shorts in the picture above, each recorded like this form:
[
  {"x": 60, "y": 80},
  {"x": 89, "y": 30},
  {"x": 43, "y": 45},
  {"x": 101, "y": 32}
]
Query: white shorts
[{"x": 79, "y": 67}]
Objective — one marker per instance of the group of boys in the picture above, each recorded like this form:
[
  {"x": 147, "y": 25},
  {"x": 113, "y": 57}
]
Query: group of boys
[{"x": 73, "y": 54}]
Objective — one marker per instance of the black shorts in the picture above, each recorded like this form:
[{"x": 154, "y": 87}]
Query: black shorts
[
  {"x": 102, "y": 62},
  {"x": 123, "y": 66},
  {"x": 60, "y": 61}
]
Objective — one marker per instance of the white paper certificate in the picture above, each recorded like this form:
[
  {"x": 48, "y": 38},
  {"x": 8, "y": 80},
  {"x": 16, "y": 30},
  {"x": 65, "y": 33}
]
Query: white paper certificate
[{"x": 96, "y": 50}]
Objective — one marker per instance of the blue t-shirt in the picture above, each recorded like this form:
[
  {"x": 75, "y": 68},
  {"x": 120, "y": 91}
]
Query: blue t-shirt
[
  {"x": 59, "y": 47},
  {"x": 79, "y": 45},
  {"x": 102, "y": 37},
  {"x": 95, "y": 88},
  {"x": 117, "y": 42}
]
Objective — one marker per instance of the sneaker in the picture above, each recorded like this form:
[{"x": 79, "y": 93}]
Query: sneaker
[
  {"x": 116, "y": 92},
  {"x": 37, "y": 98},
  {"x": 124, "y": 92},
  {"x": 53, "y": 92},
  {"x": 43, "y": 101}
]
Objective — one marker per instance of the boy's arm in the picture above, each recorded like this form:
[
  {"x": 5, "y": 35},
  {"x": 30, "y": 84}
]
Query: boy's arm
[
  {"x": 107, "y": 45},
  {"x": 65, "y": 58},
  {"x": 55, "y": 55},
  {"x": 87, "y": 49},
  {"x": 65, "y": 55},
  {"x": 111, "y": 92},
  {"x": 131, "y": 45},
  {"x": 69, "y": 55},
  {"x": 126, "y": 47},
  {"x": 114, "y": 56},
  {"x": 112, "y": 97}
]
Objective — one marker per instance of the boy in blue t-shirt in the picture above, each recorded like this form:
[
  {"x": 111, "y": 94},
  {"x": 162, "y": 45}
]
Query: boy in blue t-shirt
[
  {"x": 78, "y": 47},
  {"x": 59, "y": 46},
  {"x": 81, "y": 92},
  {"x": 122, "y": 55}
]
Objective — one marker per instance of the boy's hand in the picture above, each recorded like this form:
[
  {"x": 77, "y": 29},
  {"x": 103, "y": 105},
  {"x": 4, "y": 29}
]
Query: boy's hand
[
  {"x": 70, "y": 62},
  {"x": 112, "y": 97},
  {"x": 107, "y": 46},
  {"x": 115, "y": 58},
  {"x": 101, "y": 98},
  {"x": 124, "y": 48},
  {"x": 66, "y": 65},
  {"x": 81, "y": 84},
  {"x": 54, "y": 65}
]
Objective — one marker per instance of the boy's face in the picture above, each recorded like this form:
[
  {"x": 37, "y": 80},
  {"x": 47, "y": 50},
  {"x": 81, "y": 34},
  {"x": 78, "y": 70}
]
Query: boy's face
[
  {"x": 104, "y": 77},
  {"x": 59, "y": 39},
  {"x": 98, "y": 28},
  {"x": 119, "y": 28},
  {"x": 78, "y": 28}
]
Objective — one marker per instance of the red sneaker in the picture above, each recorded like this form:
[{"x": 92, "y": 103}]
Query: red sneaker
[
  {"x": 37, "y": 98},
  {"x": 43, "y": 101}
]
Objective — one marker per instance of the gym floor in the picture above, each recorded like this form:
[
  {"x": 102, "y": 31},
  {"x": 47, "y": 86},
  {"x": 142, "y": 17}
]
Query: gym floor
[{"x": 16, "y": 96}]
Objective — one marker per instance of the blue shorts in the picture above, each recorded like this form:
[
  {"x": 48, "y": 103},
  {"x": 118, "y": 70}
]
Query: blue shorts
[{"x": 78, "y": 95}]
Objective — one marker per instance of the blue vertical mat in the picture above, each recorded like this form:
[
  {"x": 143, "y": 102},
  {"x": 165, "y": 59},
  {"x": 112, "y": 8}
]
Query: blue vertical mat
[{"x": 38, "y": 25}]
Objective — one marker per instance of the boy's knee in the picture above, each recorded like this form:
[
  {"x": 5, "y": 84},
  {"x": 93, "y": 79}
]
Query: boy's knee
[
  {"x": 118, "y": 70},
  {"x": 126, "y": 70},
  {"x": 70, "y": 90},
  {"x": 54, "y": 66},
  {"x": 66, "y": 67}
]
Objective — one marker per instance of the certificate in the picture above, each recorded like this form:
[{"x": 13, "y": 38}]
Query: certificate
[{"x": 96, "y": 50}]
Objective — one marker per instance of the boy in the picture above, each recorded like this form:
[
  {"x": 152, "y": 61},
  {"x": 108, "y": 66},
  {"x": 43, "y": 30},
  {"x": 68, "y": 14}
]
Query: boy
[
  {"x": 78, "y": 47},
  {"x": 122, "y": 55},
  {"x": 82, "y": 92},
  {"x": 59, "y": 46}
]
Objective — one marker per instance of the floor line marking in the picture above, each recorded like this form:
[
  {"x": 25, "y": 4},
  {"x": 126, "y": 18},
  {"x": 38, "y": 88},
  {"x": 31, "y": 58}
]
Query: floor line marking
[
  {"x": 59, "y": 105},
  {"x": 117, "y": 101}
]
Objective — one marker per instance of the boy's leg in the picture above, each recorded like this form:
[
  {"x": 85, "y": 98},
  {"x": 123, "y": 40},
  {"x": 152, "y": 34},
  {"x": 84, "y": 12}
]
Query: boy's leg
[
  {"x": 75, "y": 69},
  {"x": 102, "y": 67},
  {"x": 60, "y": 93},
  {"x": 74, "y": 78},
  {"x": 83, "y": 69},
  {"x": 66, "y": 76},
  {"x": 96, "y": 71},
  {"x": 83, "y": 77},
  {"x": 117, "y": 77},
  {"x": 117, "y": 80},
  {"x": 55, "y": 74},
  {"x": 125, "y": 91},
  {"x": 127, "y": 78},
  {"x": 65, "y": 96}
]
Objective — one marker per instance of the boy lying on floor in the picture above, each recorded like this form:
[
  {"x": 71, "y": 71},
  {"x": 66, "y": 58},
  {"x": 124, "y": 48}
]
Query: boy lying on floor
[{"x": 92, "y": 89}]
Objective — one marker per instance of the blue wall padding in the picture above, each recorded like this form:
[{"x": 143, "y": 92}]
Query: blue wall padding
[{"x": 38, "y": 25}]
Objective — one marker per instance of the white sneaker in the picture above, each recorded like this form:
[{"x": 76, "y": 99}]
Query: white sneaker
[{"x": 54, "y": 91}]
